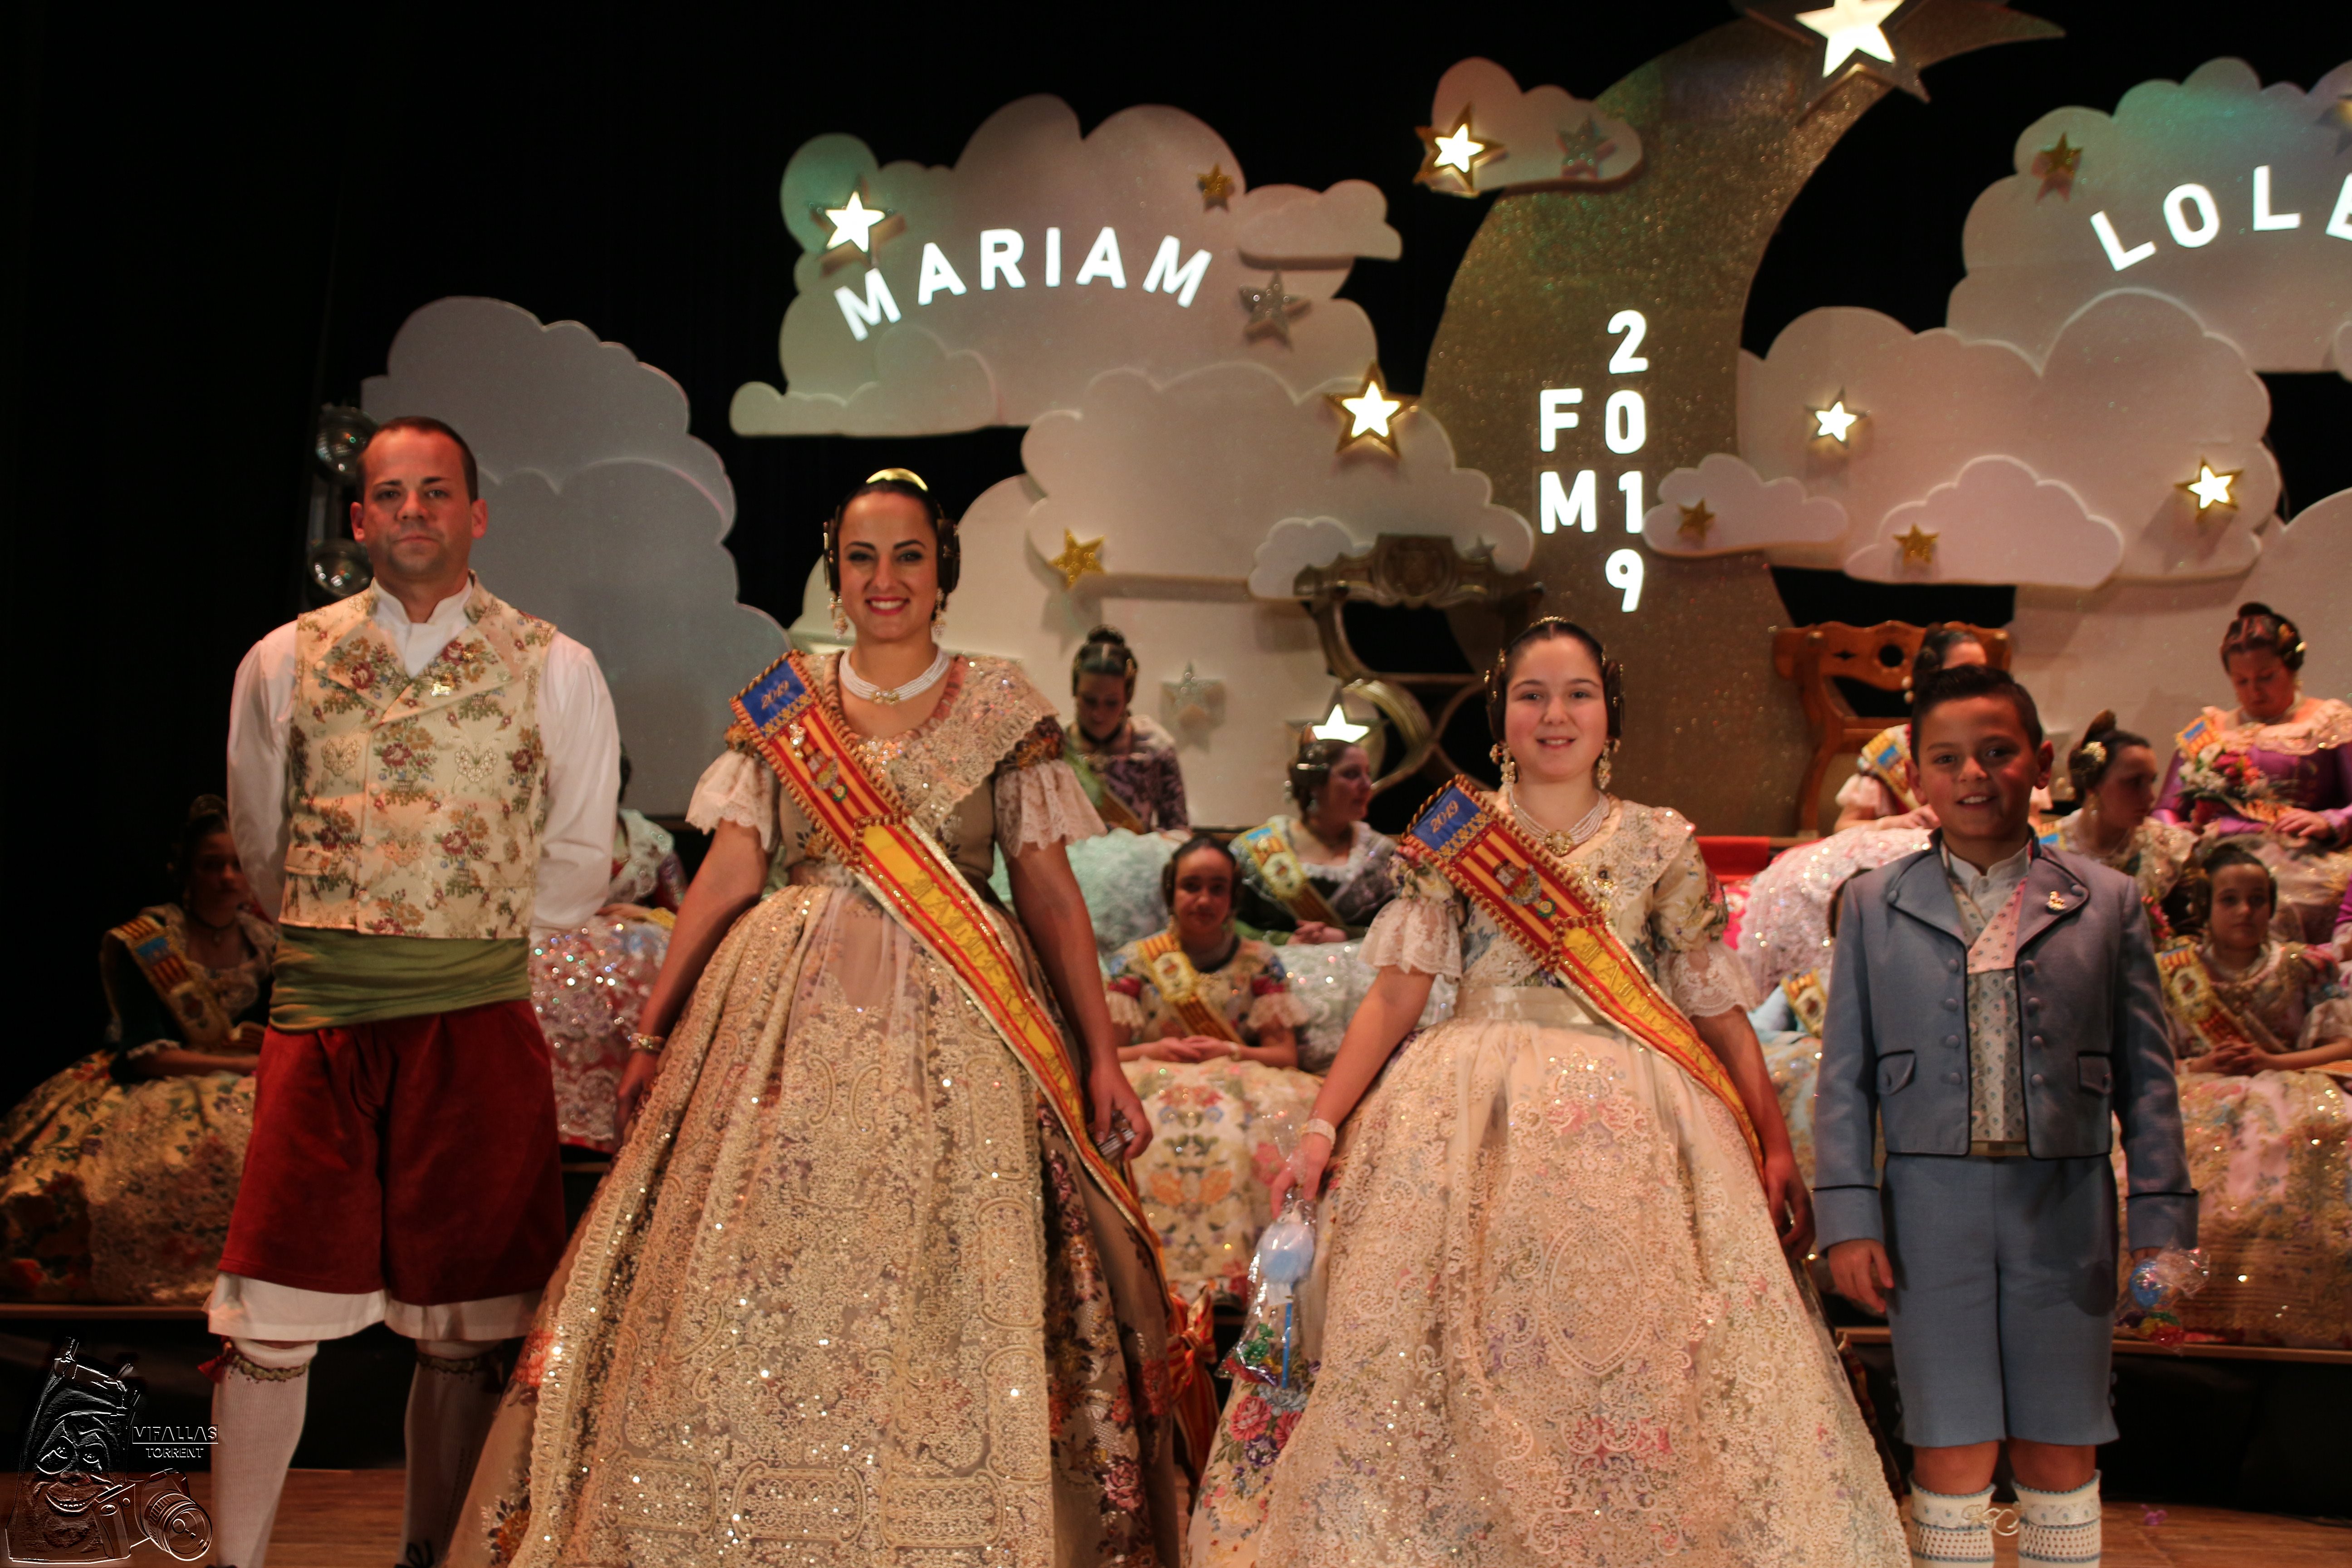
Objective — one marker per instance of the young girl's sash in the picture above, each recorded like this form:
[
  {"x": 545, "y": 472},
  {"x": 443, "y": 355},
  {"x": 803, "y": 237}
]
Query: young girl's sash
[
  {"x": 184, "y": 992},
  {"x": 1883, "y": 759},
  {"x": 2190, "y": 992},
  {"x": 1285, "y": 875},
  {"x": 1179, "y": 985},
  {"x": 1547, "y": 911},
  {"x": 1114, "y": 811}
]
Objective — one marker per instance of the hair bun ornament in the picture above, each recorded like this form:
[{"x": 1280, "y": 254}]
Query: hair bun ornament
[{"x": 1108, "y": 634}]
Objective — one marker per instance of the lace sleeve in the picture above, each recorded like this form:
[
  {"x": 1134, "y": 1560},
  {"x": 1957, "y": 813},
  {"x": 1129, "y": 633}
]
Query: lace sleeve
[
  {"x": 1705, "y": 981},
  {"x": 736, "y": 788},
  {"x": 1275, "y": 1007},
  {"x": 1044, "y": 804},
  {"x": 1419, "y": 931}
]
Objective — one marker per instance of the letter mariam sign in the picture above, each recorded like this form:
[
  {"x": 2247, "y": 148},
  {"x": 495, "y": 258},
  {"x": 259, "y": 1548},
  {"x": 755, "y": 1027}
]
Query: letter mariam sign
[{"x": 993, "y": 290}]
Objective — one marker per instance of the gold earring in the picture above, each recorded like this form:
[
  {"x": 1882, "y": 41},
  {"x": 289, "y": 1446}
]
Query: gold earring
[
  {"x": 840, "y": 621},
  {"x": 1601, "y": 768},
  {"x": 1508, "y": 764},
  {"x": 940, "y": 613}
]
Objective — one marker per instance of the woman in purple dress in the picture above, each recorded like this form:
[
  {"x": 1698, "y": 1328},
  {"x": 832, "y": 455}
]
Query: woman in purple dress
[
  {"x": 2276, "y": 770},
  {"x": 1125, "y": 760}
]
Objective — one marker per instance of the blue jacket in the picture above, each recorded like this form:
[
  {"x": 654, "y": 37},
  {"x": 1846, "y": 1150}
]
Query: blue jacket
[{"x": 1895, "y": 1050}]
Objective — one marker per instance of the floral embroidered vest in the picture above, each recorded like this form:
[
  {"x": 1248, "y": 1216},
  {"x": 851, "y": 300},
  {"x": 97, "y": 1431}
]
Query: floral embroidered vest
[{"x": 414, "y": 805}]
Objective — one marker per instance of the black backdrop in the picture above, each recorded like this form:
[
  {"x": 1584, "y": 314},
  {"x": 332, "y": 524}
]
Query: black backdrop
[{"x": 218, "y": 224}]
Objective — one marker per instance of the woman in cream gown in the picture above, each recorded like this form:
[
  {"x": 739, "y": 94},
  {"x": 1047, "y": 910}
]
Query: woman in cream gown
[
  {"x": 849, "y": 1295},
  {"x": 1557, "y": 1326}
]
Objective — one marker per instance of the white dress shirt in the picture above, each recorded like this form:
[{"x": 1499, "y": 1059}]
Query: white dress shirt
[{"x": 576, "y": 727}]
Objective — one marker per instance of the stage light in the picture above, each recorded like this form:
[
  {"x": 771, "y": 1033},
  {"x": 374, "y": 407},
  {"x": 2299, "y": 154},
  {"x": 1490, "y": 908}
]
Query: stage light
[
  {"x": 1851, "y": 26},
  {"x": 1367, "y": 415},
  {"x": 1337, "y": 728},
  {"x": 2210, "y": 487},
  {"x": 854, "y": 224},
  {"x": 1834, "y": 421}
]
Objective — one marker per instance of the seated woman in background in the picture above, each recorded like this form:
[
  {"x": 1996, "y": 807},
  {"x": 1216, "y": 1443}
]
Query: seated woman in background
[
  {"x": 1125, "y": 760},
  {"x": 1879, "y": 794},
  {"x": 2114, "y": 773},
  {"x": 122, "y": 1170},
  {"x": 589, "y": 985},
  {"x": 1320, "y": 876},
  {"x": 2279, "y": 765},
  {"x": 2264, "y": 1035},
  {"x": 1213, "y": 1054}
]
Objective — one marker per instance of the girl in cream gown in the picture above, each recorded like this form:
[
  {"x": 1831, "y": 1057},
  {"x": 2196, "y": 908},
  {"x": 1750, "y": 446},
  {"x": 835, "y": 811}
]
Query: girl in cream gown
[{"x": 1553, "y": 1322}]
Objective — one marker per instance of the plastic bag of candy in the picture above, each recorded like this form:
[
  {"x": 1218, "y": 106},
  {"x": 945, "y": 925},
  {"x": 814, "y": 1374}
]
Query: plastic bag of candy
[
  {"x": 2154, "y": 1291},
  {"x": 1267, "y": 1352}
]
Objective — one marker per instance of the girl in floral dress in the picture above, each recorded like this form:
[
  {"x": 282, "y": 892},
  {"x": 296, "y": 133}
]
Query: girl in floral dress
[
  {"x": 1553, "y": 1312},
  {"x": 1214, "y": 1057},
  {"x": 2114, "y": 773}
]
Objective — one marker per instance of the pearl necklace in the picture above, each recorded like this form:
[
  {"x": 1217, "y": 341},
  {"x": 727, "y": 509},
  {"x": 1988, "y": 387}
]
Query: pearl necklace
[
  {"x": 865, "y": 691},
  {"x": 1556, "y": 841}
]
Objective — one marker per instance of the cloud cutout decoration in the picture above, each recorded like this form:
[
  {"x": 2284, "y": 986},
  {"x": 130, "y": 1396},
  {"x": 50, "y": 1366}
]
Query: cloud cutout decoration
[
  {"x": 605, "y": 518},
  {"x": 2343, "y": 350},
  {"x": 1293, "y": 546},
  {"x": 2194, "y": 183},
  {"x": 2134, "y": 397},
  {"x": 1979, "y": 527},
  {"x": 1743, "y": 512},
  {"x": 1543, "y": 130},
  {"x": 918, "y": 387},
  {"x": 1053, "y": 256},
  {"x": 552, "y": 397},
  {"x": 1189, "y": 479}
]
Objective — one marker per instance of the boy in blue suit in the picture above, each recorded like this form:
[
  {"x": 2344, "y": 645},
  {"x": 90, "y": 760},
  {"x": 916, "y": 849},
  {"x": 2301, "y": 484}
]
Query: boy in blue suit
[{"x": 1993, "y": 1009}]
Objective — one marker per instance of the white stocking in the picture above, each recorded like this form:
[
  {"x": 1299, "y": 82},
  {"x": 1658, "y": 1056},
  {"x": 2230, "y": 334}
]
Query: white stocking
[
  {"x": 1950, "y": 1531},
  {"x": 258, "y": 1406},
  {"x": 451, "y": 1399},
  {"x": 2059, "y": 1530}
]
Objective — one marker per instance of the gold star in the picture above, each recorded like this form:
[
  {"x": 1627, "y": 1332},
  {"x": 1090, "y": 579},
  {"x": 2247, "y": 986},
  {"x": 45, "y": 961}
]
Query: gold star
[
  {"x": 1584, "y": 150},
  {"x": 1078, "y": 558},
  {"x": 1696, "y": 520},
  {"x": 2339, "y": 115},
  {"x": 1365, "y": 416},
  {"x": 1339, "y": 726},
  {"x": 1270, "y": 308},
  {"x": 1918, "y": 546},
  {"x": 1852, "y": 26},
  {"x": 853, "y": 224},
  {"x": 2209, "y": 488},
  {"x": 1450, "y": 162},
  {"x": 1216, "y": 187},
  {"x": 2056, "y": 166},
  {"x": 1833, "y": 422}
]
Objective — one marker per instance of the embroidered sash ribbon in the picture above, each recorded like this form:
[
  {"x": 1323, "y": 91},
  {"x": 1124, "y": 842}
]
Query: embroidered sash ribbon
[
  {"x": 1285, "y": 875},
  {"x": 814, "y": 754},
  {"x": 1179, "y": 985},
  {"x": 2189, "y": 991},
  {"x": 1108, "y": 803},
  {"x": 1548, "y": 912},
  {"x": 182, "y": 989},
  {"x": 1883, "y": 760}
]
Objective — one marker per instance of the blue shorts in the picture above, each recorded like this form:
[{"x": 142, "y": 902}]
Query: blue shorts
[{"x": 2003, "y": 1307}]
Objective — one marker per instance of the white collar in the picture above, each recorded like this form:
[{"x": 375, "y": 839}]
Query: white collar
[
  {"x": 445, "y": 614},
  {"x": 2005, "y": 869}
]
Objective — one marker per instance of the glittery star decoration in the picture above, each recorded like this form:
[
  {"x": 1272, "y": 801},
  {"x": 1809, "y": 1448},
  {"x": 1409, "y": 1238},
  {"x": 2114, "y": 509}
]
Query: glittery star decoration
[
  {"x": 1368, "y": 415},
  {"x": 2055, "y": 165},
  {"x": 1270, "y": 309},
  {"x": 1189, "y": 691},
  {"x": 1079, "y": 557},
  {"x": 1696, "y": 520},
  {"x": 1449, "y": 162},
  {"x": 1835, "y": 422},
  {"x": 1854, "y": 36},
  {"x": 1918, "y": 546},
  {"x": 1337, "y": 728},
  {"x": 1583, "y": 150},
  {"x": 2212, "y": 489},
  {"x": 1216, "y": 189}
]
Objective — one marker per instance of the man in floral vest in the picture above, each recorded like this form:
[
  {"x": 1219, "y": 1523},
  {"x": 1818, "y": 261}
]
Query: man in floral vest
[{"x": 420, "y": 776}]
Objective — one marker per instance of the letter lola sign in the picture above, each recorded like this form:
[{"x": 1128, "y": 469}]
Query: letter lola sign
[{"x": 2192, "y": 217}]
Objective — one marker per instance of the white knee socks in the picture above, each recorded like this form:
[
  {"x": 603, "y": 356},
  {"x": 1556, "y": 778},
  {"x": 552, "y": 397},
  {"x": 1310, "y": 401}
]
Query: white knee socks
[
  {"x": 451, "y": 1400},
  {"x": 2059, "y": 1530},
  {"x": 1950, "y": 1531},
  {"x": 258, "y": 1406}
]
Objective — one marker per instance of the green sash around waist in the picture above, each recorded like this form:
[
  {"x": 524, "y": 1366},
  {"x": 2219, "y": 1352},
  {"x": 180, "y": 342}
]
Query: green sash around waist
[{"x": 325, "y": 979}]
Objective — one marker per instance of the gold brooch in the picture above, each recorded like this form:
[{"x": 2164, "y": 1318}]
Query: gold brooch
[{"x": 2057, "y": 902}]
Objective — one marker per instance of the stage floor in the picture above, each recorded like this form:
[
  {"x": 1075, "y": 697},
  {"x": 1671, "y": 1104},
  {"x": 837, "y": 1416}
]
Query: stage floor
[{"x": 350, "y": 1518}]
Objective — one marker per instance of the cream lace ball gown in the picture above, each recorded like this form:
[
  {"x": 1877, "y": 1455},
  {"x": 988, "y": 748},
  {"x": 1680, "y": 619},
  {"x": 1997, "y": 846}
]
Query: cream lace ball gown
[{"x": 1555, "y": 1325}]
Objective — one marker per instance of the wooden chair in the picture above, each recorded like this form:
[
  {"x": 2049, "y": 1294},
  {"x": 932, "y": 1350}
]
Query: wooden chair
[{"x": 1880, "y": 655}]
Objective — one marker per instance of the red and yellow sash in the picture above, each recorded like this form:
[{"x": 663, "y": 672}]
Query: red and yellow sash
[
  {"x": 813, "y": 750},
  {"x": 1546, "y": 910},
  {"x": 184, "y": 992},
  {"x": 2189, "y": 991},
  {"x": 1885, "y": 759},
  {"x": 1284, "y": 874},
  {"x": 1114, "y": 811},
  {"x": 1179, "y": 984}
]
